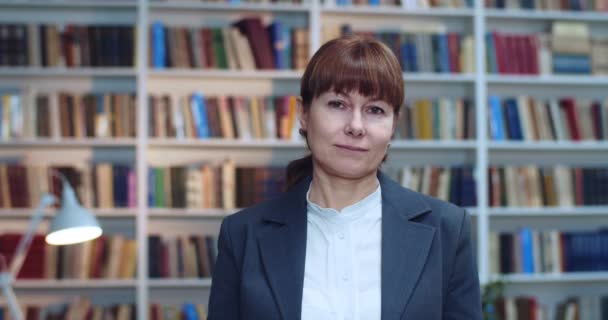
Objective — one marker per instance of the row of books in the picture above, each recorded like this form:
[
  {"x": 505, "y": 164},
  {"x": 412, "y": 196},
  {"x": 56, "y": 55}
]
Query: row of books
[
  {"x": 190, "y": 256},
  {"x": 107, "y": 257},
  {"x": 422, "y": 49},
  {"x": 453, "y": 184},
  {"x": 245, "y": 45},
  {"x": 99, "y": 185},
  {"x": 78, "y": 309},
  {"x": 540, "y": 251},
  {"x": 510, "y": 53},
  {"x": 547, "y": 186},
  {"x": 573, "y": 308},
  {"x": 186, "y": 311},
  {"x": 199, "y": 116},
  {"x": 213, "y": 186},
  {"x": 437, "y": 119},
  {"x": 70, "y": 45},
  {"x": 531, "y": 119},
  {"x": 67, "y": 115},
  {"x": 571, "y": 5},
  {"x": 406, "y": 4}
]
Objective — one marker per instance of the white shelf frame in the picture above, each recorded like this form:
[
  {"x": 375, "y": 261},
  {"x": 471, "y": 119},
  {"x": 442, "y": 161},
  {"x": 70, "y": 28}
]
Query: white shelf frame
[
  {"x": 564, "y": 277},
  {"x": 522, "y": 14},
  {"x": 67, "y": 72},
  {"x": 69, "y": 142},
  {"x": 114, "y": 213},
  {"x": 123, "y": 4},
  {"x": 75, "y": 284},
  {"x": 156, "y": 283}
]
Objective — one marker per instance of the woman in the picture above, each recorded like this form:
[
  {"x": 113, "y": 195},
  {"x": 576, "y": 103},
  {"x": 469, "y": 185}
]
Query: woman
[{"x": 345, "y": 241}]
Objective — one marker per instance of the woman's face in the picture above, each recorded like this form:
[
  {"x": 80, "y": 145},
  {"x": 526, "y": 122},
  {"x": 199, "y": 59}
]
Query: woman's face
[{"x": 348, "y": 133}]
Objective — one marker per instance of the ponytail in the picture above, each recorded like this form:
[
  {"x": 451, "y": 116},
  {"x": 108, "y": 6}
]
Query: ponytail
[{"x": 297, "y": 170}]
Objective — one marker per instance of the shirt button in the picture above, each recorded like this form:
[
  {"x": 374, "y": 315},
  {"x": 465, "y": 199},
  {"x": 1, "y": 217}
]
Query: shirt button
[
  {"x": 345, "y": 277},
  {"x": 341, "y": 236}
]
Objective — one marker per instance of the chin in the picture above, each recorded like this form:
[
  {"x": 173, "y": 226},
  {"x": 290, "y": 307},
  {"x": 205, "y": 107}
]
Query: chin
[{"x": 350, "y": 170}]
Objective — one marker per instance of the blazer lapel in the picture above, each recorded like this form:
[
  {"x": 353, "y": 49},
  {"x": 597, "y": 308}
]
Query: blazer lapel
[
  {"x": 282, "y": 244},
  {"x": 405, "y": 246}
]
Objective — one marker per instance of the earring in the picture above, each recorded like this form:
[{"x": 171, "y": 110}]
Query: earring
[{"x": 302, "y": 132}]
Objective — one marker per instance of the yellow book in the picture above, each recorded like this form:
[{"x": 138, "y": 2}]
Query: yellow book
[
  {"x": 424, "y": 119},
  {"x": 256, "y": 118},
  {"x": 293, "y": 125},
  {"x": 229, "y": 184},
  {"x": 225, "y": 119}
]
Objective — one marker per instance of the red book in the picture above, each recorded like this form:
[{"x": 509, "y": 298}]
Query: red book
[
  {"x": 67, "y": 41},
  {"x": 500, "y": 52},
  {"x": 569, "y": 107},
  {"x": 259, "y": 41},
  {"x": 533, "y": 306},
  {"x": 164, "y": 261},
  {"x": 532, "y": 48},
  {"x": 454, "y": 52},
  {"x": 522, "y": 54},
  {"x": 98, "y": 257},
  {"x": 18, "y": 187},
  {"x": 596, "y": 118}
]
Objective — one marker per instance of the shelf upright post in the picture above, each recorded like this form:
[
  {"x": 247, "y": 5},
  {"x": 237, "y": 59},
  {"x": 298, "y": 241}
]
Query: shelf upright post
[
  {"x": 141, "y": 231},
  {"x": 481, "y": 164}
]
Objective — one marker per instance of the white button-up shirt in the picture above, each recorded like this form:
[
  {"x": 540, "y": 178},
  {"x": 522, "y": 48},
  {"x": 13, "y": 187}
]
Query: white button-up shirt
[{"x": 343, "y": 261}]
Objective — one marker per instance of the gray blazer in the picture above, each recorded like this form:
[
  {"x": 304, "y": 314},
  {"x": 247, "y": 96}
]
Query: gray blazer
[{"x": 428, "y": 264}]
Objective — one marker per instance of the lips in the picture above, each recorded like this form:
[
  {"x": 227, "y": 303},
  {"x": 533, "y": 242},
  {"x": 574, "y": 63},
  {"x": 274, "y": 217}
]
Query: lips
[{"x": 350, "y": 148}]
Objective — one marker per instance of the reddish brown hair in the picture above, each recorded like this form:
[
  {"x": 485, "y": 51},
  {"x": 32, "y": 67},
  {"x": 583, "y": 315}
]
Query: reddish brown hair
[{"x": 346, "y": 64}]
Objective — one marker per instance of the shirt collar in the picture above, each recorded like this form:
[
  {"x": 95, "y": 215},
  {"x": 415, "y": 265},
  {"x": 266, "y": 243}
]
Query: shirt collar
[{"x": 349, "y": 213}]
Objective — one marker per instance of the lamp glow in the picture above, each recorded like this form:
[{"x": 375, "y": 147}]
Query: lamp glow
[{"x": 73, "y": 223}]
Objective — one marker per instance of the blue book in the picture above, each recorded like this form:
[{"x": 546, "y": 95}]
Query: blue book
[
  {"x": 275, "y": 30},
  {"x": 234, "y": 1},
  {"x": 577, "y": 64},
  {"x": 527, "y": 254},
  {"x": 203, "y": 122},
  {"x": 444, "y": 53},
  {"x": 288, "y": 46},
  {"x": 413, "y": 57},
  {"x": 151, "y": 187},
  {"x": 196, "y": 118},
  {"x": 404, "y": 54},
  {"x": 491, "y": 54},
  {"x": 1, "y": 116},
  {"x": 513, "y": 122},
  {"x": 189, "y": 311},
  {"x": 159, "y": 57},
  {"x": 496, "y": 124},
  {"x": 374, "y": 2}
]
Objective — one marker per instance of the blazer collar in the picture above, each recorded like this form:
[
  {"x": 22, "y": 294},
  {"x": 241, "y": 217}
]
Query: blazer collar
[{"x": 405, "y": 247}]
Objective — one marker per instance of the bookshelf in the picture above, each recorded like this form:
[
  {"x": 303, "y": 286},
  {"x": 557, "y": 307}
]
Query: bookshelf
[{"x": 144, "y": 152}]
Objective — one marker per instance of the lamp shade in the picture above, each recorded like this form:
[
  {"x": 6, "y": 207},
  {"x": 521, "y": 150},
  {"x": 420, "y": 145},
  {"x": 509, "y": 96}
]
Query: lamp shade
[{"x": 72, "y": 223}]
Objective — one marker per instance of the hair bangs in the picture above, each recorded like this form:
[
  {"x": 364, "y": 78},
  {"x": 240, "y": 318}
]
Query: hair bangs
[{"x": 356, "y": 64}]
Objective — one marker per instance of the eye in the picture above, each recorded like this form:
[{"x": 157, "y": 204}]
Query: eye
[
  {"x": 376, "y": 110},
  {"x": 336, "y": 104}
]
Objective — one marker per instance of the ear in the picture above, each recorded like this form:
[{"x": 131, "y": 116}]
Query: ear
[{"x": 302, "y": 114}]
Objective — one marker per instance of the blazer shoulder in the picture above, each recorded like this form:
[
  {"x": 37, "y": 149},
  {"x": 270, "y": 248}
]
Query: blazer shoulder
[
  {"x": 255, "y": 213},
  {"x": 450, "y": 215}
]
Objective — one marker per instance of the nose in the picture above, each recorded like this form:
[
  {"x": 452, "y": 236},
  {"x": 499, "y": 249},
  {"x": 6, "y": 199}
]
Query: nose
[{"x": 355, "y": 127}]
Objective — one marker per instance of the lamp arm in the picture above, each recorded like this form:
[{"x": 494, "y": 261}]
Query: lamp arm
[
  {"x": 5, "y": 282},
  {"x": 26, "y": 239}
]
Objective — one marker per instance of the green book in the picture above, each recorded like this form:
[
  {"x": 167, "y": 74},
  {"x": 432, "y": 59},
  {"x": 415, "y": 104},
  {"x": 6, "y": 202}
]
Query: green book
[{"x": 218, "y": 48}]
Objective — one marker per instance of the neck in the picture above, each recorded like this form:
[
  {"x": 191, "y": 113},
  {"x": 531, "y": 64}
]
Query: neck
[{"x": 335, "y": 192}]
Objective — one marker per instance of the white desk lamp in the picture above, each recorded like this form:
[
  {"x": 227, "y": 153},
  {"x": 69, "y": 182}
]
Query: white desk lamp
[{"x": 72, "y": 224}]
